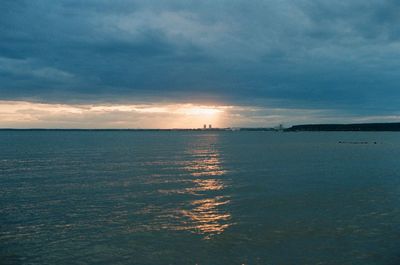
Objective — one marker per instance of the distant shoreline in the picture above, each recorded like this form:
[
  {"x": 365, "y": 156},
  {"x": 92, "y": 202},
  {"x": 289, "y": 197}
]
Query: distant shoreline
[{"x": 356, "y": 127}]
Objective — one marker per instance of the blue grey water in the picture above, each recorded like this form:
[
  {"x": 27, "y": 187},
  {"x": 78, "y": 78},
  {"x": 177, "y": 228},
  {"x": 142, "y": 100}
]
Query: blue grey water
[{"x": 125, "y": 197}]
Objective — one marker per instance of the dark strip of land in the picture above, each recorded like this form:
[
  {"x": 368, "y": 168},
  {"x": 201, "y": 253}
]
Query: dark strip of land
[
  {"x": 367, "y": 127},
  {"x": 306, "y": 127}
]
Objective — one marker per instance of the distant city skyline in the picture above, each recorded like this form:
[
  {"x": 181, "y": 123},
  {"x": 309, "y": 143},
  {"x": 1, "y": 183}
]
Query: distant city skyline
[{"x": 182, "y": 64}]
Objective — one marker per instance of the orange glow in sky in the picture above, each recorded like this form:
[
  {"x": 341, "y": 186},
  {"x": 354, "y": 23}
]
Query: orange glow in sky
[
  {"x": 24, "y": 114},
  {"x": 158, "y": 115}
]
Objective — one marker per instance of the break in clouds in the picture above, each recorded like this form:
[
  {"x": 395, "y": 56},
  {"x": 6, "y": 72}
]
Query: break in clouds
[{"x": 336, "y": 59}]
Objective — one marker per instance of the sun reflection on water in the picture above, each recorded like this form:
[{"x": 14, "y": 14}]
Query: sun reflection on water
[
  {"x": 206, "y": 217},
  {"x": 191, "y": 191},
  {"x": 206, "y": 214}
]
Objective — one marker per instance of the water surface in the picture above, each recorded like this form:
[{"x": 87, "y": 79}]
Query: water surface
[{"x": 89, "y": 197}]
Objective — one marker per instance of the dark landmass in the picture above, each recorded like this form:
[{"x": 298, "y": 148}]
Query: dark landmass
[
  {"x": 296, "y": 128},
  {"x": 366, "y": 127}
]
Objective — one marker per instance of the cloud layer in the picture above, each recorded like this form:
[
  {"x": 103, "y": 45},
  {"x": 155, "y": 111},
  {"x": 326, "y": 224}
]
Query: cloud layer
[{"x": 341, "y": 56}]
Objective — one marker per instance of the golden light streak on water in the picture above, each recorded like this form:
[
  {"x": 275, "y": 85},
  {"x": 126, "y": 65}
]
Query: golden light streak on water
[{"x": 207, "y": 215}]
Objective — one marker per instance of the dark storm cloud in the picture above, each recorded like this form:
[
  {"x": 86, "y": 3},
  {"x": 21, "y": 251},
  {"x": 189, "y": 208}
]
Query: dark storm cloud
[{"x": 314, "y": 54}]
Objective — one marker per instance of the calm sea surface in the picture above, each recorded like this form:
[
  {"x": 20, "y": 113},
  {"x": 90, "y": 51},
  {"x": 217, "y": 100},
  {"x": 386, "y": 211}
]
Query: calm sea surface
[{"x": 199, "y": 198}]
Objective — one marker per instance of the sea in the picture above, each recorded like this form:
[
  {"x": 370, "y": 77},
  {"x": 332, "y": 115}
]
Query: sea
[{"x": 199, "y": 197}]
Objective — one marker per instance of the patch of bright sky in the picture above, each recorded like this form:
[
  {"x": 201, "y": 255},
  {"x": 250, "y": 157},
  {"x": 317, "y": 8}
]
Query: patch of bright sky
[{"x": 24, "y": 114}]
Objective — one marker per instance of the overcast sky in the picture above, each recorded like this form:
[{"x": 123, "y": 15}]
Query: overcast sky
[{"x": 265, "y": 61}]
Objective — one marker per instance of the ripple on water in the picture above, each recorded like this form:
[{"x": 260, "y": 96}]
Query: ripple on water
[{"x": 199, "y": 194}]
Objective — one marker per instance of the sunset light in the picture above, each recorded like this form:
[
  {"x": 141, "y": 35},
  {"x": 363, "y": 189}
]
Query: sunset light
[
  {"x": 200, "y": 110},
  {"x": 199, "y": 132},
  {"x": 17, "y": 114}
]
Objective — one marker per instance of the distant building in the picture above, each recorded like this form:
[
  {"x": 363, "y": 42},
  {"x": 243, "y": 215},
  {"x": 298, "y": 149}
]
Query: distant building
[
  {"x": 205, "y": 126},
  {"x": 209, "y": 126}
]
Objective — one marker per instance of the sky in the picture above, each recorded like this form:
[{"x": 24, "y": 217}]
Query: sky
[{"x": 183, "y": 63}]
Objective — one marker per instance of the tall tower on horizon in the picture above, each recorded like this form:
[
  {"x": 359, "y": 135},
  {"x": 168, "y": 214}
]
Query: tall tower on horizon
[
  {"x": 205, "y": 126},
  {"x": 209, "y": 126}
]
